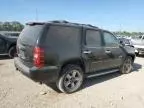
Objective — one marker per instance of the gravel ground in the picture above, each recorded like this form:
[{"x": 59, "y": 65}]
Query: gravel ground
[{"x": 109, "y": 91}]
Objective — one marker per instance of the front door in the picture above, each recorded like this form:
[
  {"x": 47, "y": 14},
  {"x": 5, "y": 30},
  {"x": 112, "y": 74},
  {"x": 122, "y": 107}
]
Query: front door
[
  {"x": 93, "y": 51},
  {"x": 113, "y": 52}
]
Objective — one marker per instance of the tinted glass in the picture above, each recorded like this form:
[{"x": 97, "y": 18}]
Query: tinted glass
[
  {"x": 63, "y": 37},
  {"x": 30, "y": 34},
  {"x": 93, "y": 38},
  {"x": 110, "y": 39}
]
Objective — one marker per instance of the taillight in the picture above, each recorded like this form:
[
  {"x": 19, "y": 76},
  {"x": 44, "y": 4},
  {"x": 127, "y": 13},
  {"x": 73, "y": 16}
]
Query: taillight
[{"x": 38, "y": 57}]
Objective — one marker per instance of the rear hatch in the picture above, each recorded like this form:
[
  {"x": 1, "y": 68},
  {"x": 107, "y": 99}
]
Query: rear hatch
[{"x": 27, "y": 41}]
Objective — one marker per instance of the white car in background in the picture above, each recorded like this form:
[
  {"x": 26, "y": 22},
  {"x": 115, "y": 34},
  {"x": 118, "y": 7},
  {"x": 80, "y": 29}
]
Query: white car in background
[{"x": 138, "y": 43}]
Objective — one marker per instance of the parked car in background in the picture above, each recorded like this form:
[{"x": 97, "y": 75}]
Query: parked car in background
[
  {"x": 65, "y": 53},
  {"x": 126, "y": 42},
  {"x": 8, "y": 46},
  {"x": 10, "y": 33},
  {"x": 138, "y": 43}
]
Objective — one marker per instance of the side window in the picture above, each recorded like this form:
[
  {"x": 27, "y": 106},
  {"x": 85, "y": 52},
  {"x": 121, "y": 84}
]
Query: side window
[
  {"x": 110, "y": 39},
  {"x": 65, "y": 36},
  {"x": 93, "y": 38}
]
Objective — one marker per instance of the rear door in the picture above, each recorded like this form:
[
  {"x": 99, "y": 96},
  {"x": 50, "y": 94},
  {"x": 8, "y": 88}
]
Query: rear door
[
  {"x": 113, "y": 51},
  {"x": 93, "y": 51},
  {"x": 27, "y": 41}
]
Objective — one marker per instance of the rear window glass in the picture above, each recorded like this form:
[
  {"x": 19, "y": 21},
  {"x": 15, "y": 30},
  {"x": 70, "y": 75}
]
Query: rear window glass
[
  {"x": 60, "y": 35},
  {"x": 63, "y": 38},
  {"x": 30, "y": 34}
]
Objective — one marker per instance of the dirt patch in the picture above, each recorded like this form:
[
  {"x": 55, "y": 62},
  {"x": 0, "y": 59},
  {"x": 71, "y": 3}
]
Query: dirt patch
[{"x": 110, "y": 91}]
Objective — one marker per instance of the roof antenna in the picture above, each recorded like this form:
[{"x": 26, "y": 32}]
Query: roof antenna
[{"x": 36, "y": 15}]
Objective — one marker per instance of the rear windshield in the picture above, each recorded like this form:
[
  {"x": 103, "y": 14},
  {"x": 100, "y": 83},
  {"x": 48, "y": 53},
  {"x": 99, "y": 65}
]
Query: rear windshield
[{"x": 30, "y": 34}]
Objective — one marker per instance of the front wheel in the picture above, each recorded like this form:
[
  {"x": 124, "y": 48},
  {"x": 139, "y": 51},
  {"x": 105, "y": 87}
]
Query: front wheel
[
  {"x": 127, "y": 65},
  {"x": 71, "y": 79}
]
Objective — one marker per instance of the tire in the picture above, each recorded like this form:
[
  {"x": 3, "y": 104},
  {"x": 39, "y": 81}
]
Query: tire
[
  {"x": 127, "y": 66},
  {"x": 12, "y": 52},
  {"x": 71, "y": 79}
]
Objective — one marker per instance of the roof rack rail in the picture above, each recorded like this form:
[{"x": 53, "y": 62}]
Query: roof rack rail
[
  {"x": 92, "y": 26},
  {"x": 66, "y": 22},
  {"x": 35, "y": 23},
  {"x": 59, "y": 21},
  {"x": 89, "y": 25}
]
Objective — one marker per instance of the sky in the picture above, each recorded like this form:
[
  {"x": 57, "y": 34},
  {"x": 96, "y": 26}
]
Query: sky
[{"x": 114, "y": 15}]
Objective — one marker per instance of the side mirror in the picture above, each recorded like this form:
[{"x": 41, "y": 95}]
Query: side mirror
[{"x": 121, "y": 42}]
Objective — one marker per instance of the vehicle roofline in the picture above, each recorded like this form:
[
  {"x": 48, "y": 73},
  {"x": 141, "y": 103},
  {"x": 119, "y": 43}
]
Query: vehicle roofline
[{"x": 65, "y": 23}]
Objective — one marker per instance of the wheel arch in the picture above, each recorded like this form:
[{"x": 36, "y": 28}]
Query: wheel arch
[
  {"x": 11, "y": 45},
  {"x": 132, "y": 56},
  {"x": 76, "y": 61}
]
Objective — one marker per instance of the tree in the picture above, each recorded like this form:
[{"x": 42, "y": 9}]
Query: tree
[
  {"x": 125, "y": 33},
  {"x": 17, "y": 26},
  {"x": 11, "y": 26},
  {"x": 1, "y": 26},
  {"x": 7, "y": 26}
]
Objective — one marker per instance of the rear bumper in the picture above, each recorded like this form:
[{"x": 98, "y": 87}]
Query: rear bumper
[{"x": 45, "y": 74}]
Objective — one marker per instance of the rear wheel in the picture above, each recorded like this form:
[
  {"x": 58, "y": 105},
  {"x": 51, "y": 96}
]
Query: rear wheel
[
  {"x": 127, "y": 65},
  {"x": 71, "y": 79},
  {"x": 12, "y": 52}
]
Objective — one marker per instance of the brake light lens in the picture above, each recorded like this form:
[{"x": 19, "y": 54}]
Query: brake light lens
[{"x": 38, "y": 57}]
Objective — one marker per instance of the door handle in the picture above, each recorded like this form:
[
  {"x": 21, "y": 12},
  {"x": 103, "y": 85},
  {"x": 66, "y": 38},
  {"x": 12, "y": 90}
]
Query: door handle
[
  {"x": 87, "y": 52},
  {"x": 108, "y": 52}
]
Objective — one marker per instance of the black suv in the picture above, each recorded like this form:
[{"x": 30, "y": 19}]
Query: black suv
[
  {"x": 8, "y": 46},
  {"x": 65, "y": 53}
]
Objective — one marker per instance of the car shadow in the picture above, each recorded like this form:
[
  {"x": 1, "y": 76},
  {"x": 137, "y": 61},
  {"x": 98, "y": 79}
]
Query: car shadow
[
  {"x": 136, "y": 67},
  {"x": 88, "y": 82},
  {"x": 140, "y": 55},
  {"x": 99, "y": 79},
  {"x": 4, "y": 57}
]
